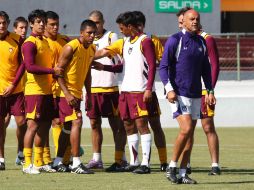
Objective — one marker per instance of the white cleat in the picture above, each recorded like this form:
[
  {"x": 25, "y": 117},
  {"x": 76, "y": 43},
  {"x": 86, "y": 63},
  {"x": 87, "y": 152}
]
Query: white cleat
[
  {"x": 46, "y": 168},
  {"x": 30, "y": 170}
]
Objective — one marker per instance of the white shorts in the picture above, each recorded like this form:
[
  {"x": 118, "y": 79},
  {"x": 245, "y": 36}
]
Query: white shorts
[{"x": 186, "y": 105}]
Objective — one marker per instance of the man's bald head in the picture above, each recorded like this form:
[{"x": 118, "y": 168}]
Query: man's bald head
[{"x": 191, "y": 21}]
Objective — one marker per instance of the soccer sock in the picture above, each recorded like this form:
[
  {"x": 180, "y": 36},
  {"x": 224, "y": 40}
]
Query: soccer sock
[
  {"x": 215, "y": 165},
  {"x": 76, "y": 162},
  {"x": 67, "y": 155},
  {"x": 56, "y": 130},
  {"x": 20, "y": 154},
  {"x": 97, "y": 156},
  {"x": 38, "y": 158},
  {"x": 163, "y": 155},
  {"x": 1, "y": 159},
  {"x": 172, "y": 164},
  {"x": 46, "y": 155},
  {"x": 28, "y": 156},
  {"x": 118, "y": 156},
  {"x": 57, "y": 161},
  {"x": 146, "y": 141},
  {"x": 133, "y": 143},
  {"x": 182, "y": 172}
]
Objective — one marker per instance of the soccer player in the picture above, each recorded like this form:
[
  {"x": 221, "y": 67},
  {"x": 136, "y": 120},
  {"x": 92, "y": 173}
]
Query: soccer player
[
  {"x": 75, "y": 60},
  {"x": 38, "y": 92},
  {"x": 207, "y": 111},
  {"x": 138, "y": 54},
  {"x": 105, "y": 94},
  {"x": 154, "y": 107},
  {"x": 20, "y": 26},
  {"x": 184, "y": 62},
  {"x": 11, "y": 90},
  {"x": 56, "y": 42}
]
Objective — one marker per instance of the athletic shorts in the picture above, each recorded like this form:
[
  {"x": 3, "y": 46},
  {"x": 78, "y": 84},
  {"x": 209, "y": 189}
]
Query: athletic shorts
[
  {"x": 13, "y": 105},
  {"x": 56, "y": 108},
  {"x": 206, "y": 110},
  {"x": 67, "y": 112},
  {"x": 153, "y": 107},
  {"x": 39, "y": 107},
  {"x": 103, "y": 105},
  {"x": 131, "y": 105},
  {"x": 185, "y": 106}
]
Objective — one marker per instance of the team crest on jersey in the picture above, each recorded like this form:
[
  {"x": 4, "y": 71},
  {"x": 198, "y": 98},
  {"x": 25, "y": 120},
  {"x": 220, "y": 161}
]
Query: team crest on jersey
[
  {"x": 200, "y": 49},
  {"x": 10, "y": 50},
  {"x": 130, "y": 50}
]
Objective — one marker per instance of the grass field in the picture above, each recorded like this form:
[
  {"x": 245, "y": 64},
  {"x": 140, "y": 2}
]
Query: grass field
[{"x": 236, "y": 159}]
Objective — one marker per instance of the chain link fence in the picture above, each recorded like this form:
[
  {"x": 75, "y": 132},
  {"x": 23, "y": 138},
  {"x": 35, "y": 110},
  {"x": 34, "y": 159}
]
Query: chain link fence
[{"x": 236, "y": 51}]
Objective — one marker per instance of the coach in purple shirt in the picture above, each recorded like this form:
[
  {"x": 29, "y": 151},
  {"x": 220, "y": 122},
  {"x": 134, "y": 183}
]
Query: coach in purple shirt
[{"x": 184, "y": 62}]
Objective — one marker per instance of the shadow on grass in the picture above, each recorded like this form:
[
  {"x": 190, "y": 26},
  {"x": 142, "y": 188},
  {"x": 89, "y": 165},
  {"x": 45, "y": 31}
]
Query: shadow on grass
[{"x": 224, "y": 170}]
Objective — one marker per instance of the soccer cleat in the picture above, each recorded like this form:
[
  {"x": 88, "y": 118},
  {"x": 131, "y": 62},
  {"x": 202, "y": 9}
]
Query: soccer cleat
[
  {"x": 61, "y": 168},
  {"x": 164, "y": 167},
  {"x": 171, "y": 174},
  {"x": 215, "y": 171},
  {"x": 92, "y": 164},
  {"x": 30, "y": 170},
  {"x": 47, "y": 168},
  {"x": 143, "y": 169},
  {"x": 188, "y": 170},
  {"x": 186, "y": 180},
  {"x": 2, "y": 166},
  {"x": 130, "y": 168},
  {"x": 20, "y": 161},
  {"x": 81, "y": 169},
  {"x": 115, "y": 167}
]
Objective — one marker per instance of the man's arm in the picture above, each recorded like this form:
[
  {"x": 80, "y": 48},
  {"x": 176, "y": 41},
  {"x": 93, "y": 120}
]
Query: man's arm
[
  {"x": 164, "y": 68},
  {"x": 64, "y": 59},
  {"x": 29, "y": 51},
  {"x": 214, "y": 58},
  {"x": 88, "y": 89}
]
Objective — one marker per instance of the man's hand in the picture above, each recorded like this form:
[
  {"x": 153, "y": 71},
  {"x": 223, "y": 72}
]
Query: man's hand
[
  {"x": 58, "y": 71},
  {"x": 211, "y": 99},
  {"x": 172, "y": 97},
  {"x": 9, "y": 90},
  {"x": 98, "y": 66},
  {"x": 147, "y": 96},
  {"x": 71, "y": 100}
]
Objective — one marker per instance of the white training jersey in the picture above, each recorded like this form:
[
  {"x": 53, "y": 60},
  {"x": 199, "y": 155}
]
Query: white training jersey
[
  {"x": 135, "y": 76},
  {"x": 105, "y": 78}
]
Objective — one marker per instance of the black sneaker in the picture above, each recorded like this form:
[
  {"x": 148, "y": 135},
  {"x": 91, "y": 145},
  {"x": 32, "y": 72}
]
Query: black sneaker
[
  {"x": 188, "y": 170},
  {"x": 186, "y": 180},
  {"x": 215, "y": 171},
  {"x": 171, "y": 174},
  {"x": 2, "y": 166},
  {"x": 81, "y": 169},
  {"x": 115, "y": 167},
  {"x": 61, "y": 168},
  {"x": 130, "y": 168},
  {"x": 164, "y": 167},
  {"x": 143, "y": 169}
]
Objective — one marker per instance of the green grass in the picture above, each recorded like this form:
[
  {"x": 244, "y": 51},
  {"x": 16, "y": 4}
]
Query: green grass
[{"x": 236, "y": 159}]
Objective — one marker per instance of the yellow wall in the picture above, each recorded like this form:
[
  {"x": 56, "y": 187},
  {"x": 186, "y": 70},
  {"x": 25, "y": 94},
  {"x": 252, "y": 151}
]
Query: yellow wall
[{"x": 237, "y": 5}]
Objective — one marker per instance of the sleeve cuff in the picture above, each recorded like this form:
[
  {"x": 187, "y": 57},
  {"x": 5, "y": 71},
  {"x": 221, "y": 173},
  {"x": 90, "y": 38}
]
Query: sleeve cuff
[{"x": 168, "y": 87}]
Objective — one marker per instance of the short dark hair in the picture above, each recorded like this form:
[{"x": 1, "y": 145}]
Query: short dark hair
[
  {"x": 5, "y": 15},
  {"x": 87, "y": 23},
  {"x": 38, "y": 13},
  {"x": 51, "y": 15},
  {"x": 183, "y": 10},
  {"x": 141, "y": 19},
  {"x": 127, "y": 18},
  {"x": 97, "y": 13},
  {"x": 18, "y": 20}
]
